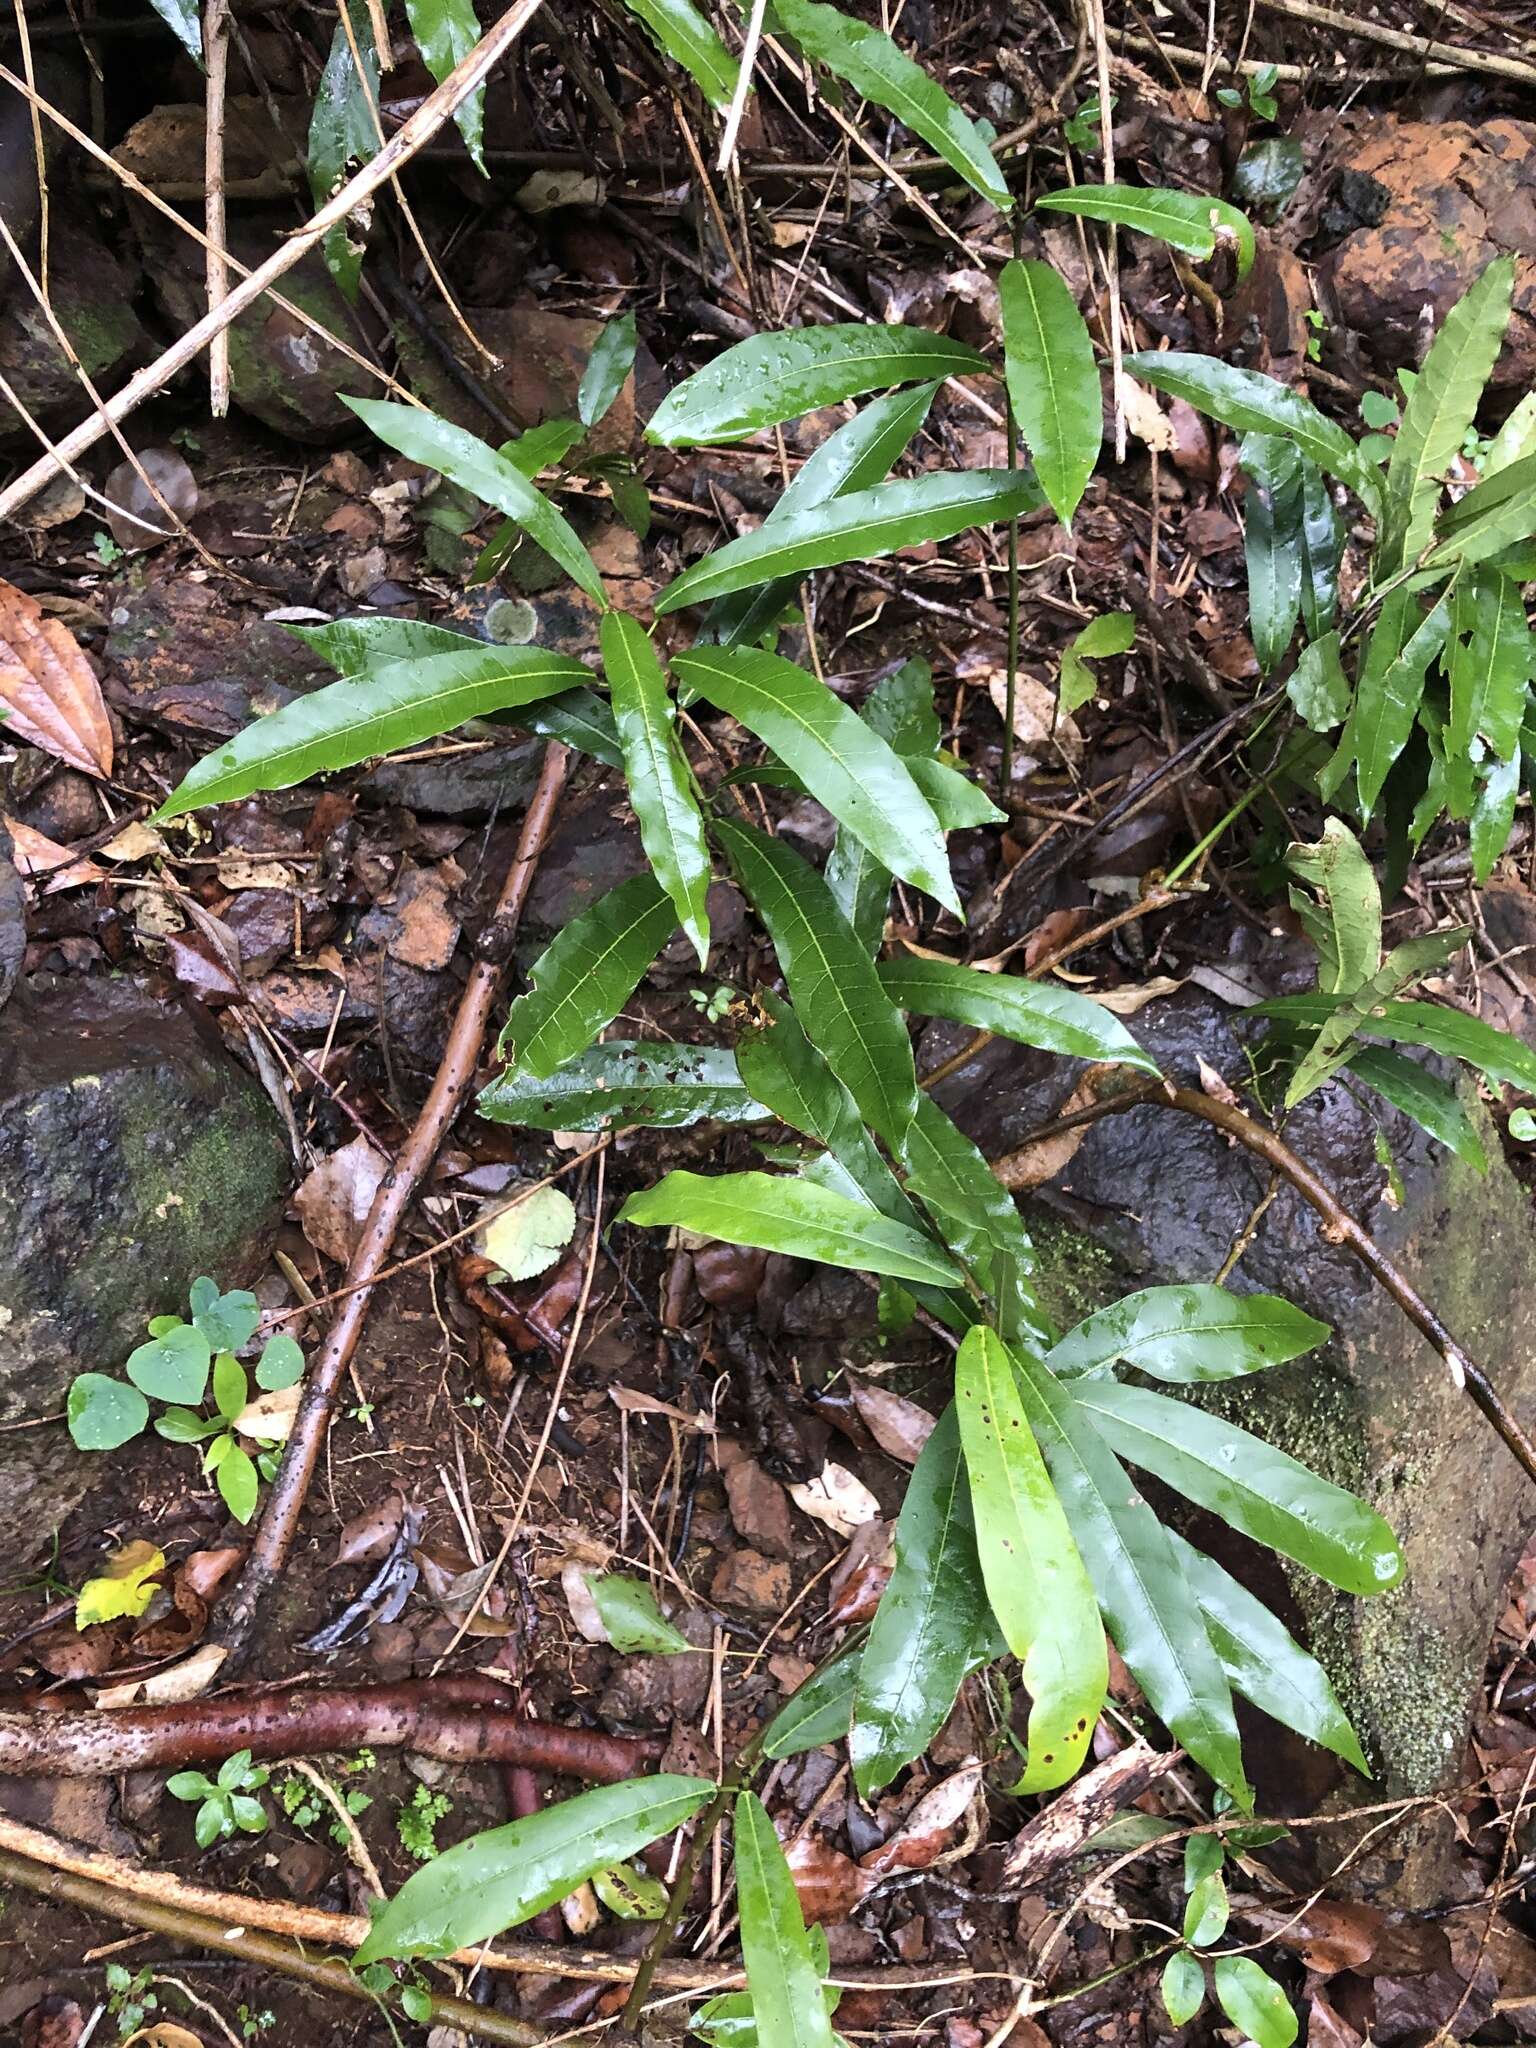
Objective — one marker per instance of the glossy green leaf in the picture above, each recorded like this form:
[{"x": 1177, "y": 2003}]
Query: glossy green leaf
[
  {"x": 660, "y": 787},
  {"x": 1516, "y": 438},
  {"x": 777, "y": 1213},
  {"x": 933, "y": 1625},
  {"x": 1263, "y": 1661},
  {"x": 281, "y": 1364},
  {"x": 1032, "y": 1012},
  {"x": 868, "y": 60},
  {"x": 1207, "y": 1911},
  {"x": 1113, "y": 633},
  {"x": 1249, "y": 402},
  {"x": 1254, "y": 2002},
  {"x": 1053, "y": 380},
  {"x": 238, "y": 1482},
  {"x": 1494, "y": 515},
  {"x": 1250, "y": 1484},
  {"x": 477, "y": 468},
  {"x": 1189, "y": 1333},
  {"x": 231, "y": 1388},
  {"x": 1183, "y": 1987},
  {"x": 819, "y": 1712},
  {"x": 446, "y": 31},
  {"x": 1318, "y": 686},
  {"x": 846, "y": 766},
  {"x": 1432, "y": 1103},
  {"x": 578, "y": 718},
  {"x": 1272, "y": 542},
  {"x": 1491, "y": 657},
  {"x": 104, "y": 1413},
  {"x": 1143, "y": 1596},
  {"x": 1496, "y": 1054},
  {"x": 496, "y": 1880},
  {"x": 611, "y": 360},
  {"x": 1440, "y": 412},
  {"x": 1035, "y": 1579},
  {"x": 586, "y": 975},
  {"x": 1388, "y": 694},
  {"x": 173, "y": 1366},
  {"x": 398, "y": 704},
  {"x": 344, "y": 130},
  {"x": 857, "y": 456},
  {"x": 229, "y": 1320},
  {"x": 900, "y": 709},
  {"x": 636, "y": 1625},
  {"x": 1344, "y": 923},
  {"x": 1322, "y": 550},
  {"x": 1493, "y": 816},
  {"x": 689, "y": 40},
  {"x": 770, "y": 378},
  {"x": 625, "y": 1081},
  {"x": 787, "y": 2002},
  {"x": 1185, "y": 220},
  {"x": 832, "y": 981},
  {"x": 858, "y": 527},
  {"x": 1404, "y": 965},
  {"x": 181, "y": 17}
]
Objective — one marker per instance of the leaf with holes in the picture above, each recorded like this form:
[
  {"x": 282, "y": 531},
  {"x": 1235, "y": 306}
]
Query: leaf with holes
[
  {"x": 1492, "y": 516},
  {"x": 1491, "y": 658},
  {"x": 1497, "y": 1055},
  {"x": 1053, "y": 381},
  {"x": 1345, "y": 921},
  {"x": 625, "y": 1081}
]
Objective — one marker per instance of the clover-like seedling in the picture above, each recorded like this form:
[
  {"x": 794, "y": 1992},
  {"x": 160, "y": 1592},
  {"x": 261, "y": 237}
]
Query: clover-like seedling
[{"x": 226, "y": 1805}]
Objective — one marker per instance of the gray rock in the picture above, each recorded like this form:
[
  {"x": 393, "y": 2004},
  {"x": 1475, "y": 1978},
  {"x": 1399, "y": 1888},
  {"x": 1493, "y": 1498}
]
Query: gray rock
[
  {"x": 13, "y": 918},
  {"x": 1154, "y": 1196},
  {"x": 134, "y": 1155}
]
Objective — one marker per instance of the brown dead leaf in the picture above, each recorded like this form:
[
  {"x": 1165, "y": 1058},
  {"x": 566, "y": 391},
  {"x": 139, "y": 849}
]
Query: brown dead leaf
[
  {"x": 48, "y": 689},
  {"x": 371, "y": 1534},
  {"x": 1032, "y": 1165},
  {"x": 931, "y": 1827},
  {"x": 48, "y": 866},
  {"x": 828, "y": 1883},
  {"x": 1331, "y": 1935},
  {"x": 863, "y": 1572},
  {"x": 333, "y": 1201},
  {"x": 897, "y": 1425},
  {"x": 836, "y": 1498},
  {"x": 206, "y": 1570},
  {"x": 461, "y": 1588},
  {"x": 1328, "y": 2028},
  {"x": 164, "y": 2034},
  {"x": 183, "y": 1681},
  {"x": 1125, "y": 1002},
  {"x": 647, "y": 1404}
]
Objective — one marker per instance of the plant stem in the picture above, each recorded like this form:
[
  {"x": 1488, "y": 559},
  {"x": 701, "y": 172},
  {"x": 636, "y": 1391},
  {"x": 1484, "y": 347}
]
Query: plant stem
[
  {"x": 677, "y": 1898},
  {"x": 1011, "y": 699}
]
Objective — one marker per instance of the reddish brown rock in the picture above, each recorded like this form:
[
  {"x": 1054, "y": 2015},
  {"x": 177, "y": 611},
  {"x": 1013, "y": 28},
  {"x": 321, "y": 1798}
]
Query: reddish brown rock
[{"x": 751, "y": 1582}]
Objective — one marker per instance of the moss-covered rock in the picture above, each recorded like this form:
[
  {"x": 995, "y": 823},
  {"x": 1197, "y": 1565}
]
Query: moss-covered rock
[{"x": 134, "y": 1155}]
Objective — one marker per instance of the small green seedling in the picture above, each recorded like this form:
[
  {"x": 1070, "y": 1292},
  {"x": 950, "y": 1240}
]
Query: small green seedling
[
  {"x": 1085, "y": 129},
  {"x": 105, "y": 549},
  {"x": 129, "y": 1998},
  {"x": 1522, "y": 1125},
  {"x": 174, "y": 1368},
  {"x": 417, "y": 1822},
  {"x": 1249, "y": 1997},
  {"x": 1259, "y": 90},
  {"x": 712, "y": 1004},
  {"x": 308, "y": 1809},
  {"x": 226, "y": 1804}
]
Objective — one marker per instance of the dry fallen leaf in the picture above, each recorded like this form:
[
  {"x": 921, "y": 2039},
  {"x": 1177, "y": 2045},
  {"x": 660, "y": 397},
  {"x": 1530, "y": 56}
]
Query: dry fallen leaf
[
  {"x": 183, "y": 1681},
  {"x": 897, "y": 1425},
  {"x": 836, "y": 1498},
  {"x": 164, "y": 2034},
  {"x": 48, "y": 866},
  {"x": 1125, "y": 1002},
  {"x": 333, "y": 1201},
  {"x": 269, "y": 1418},
  {"x": 1032, "y": 1165},
  {"x": 926, "y": 1833},
  {"x": 47, "y": 688},
  {"x": 647, "y": 1404}
]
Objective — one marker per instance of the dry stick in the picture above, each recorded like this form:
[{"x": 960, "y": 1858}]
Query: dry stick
[
  {"x": 1398, "y": 39},
  {"x": 264, "y": 1951},
  {"x": 216, "y": 60},
  {"x": 280, "y": 1519},
  {"x": 437, "y": 108},
  {"x": 1339, "y": 1227}
]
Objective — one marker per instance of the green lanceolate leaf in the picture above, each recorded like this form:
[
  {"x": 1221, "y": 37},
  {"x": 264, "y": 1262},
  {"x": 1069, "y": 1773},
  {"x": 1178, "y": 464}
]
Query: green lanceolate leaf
[
  {"x": 689, "y": 40},
  {"x": 1318, "y": 686},
  {"x": 954, "y": 799},
  {"x": 1492, "y": 516},
  {"x": 1034, "y": 1577},
  {"x": 1250, "y": 403},
  {"x": 182, "y": 19},
  {"x": 862, "y": 781},
  {"x": 399, "y": 704},
  {"x": 1388, "y": 695},
  {"x": 1254, "y": 2002},
  {"x": 1256, "y": 1488},
  {"x": 1440, "y": 411},
  {"x": 819, "y": 1712},
  {"x": 1345, "y": 922},
  {"x": 857, "y": 456},
  {"x": 578, "y": 718},
  {"x": 771, "y": 378},
  {"x": 611, "y": 360},
  {"x": 1404, "y": 965},
  {"x": 1493, "y": 816},
  {"x": 933, "y": 1625},
  {"x": 832, "y": 981},
  {"x": 1113, "y": 633},
  {"x": 1032, "y": 1012},
  {"x": 586, "y": 975},
  {"x": 344, "y": 129},
  {"x": 1272, "y": 523},
  {"x": 1185, "y": 220},
  {"x": 1432, "y": 1103},
  {"x": 636, "y": 1625},
  {"x": 446, "y": 31},
  {"x": 477, "y": 468},
  {"x": 787, "y": 2004},
  {"x": 780, "y": 1214},
  {"x": 1322, "y": 549},
  {"x": 1053, "y": 381},
  {"x": 626, "y": 1081},
  {"x": 1143, "y": 1596},
  {"x": 499, "y": 1879},
  {"x": 1496, "y": 1054},
  {"x": 1491, "y": 658},
  {"x": 1264, "y": 1662},
  {"x": 660, "y": 787},
  {"x": 977, "y": 1219},
  {"x": 858, "y": 527},
  {"x": 1188, "y": 1334},
  {"x": 868, "y": 60}
]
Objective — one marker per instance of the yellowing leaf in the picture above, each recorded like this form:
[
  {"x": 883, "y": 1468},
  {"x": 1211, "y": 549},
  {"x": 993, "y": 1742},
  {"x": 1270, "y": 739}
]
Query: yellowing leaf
[
  {"x": 124, "y": 1588},
  {"x": 527, "y": 1239}
]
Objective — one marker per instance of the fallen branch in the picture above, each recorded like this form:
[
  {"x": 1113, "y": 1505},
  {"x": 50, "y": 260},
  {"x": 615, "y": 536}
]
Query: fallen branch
[
  {"x": 459, "y": 1720},
  {"x": 434, "y": 111},
  {"x": 1339, "y": 1227},
  {"x": 280, "y": 1518}
]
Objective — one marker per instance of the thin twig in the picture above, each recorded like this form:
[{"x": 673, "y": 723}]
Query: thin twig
[
  {"x": 744, "y": 68},
  {"x": 216, "y": 62},
  {"x": 1360, "y": 24}
]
